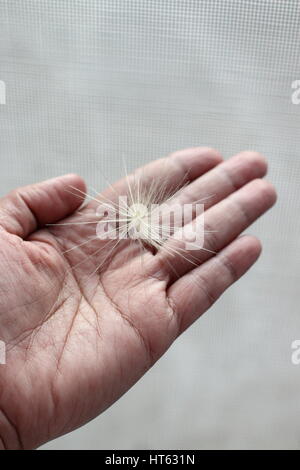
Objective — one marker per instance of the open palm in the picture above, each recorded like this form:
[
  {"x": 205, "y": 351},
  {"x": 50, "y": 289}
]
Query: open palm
[{"x": 77, "y": 338}]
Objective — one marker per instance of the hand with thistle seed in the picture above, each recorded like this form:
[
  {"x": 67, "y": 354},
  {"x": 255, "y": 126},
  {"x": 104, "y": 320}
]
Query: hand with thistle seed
[{"x": 84, "y": 317}]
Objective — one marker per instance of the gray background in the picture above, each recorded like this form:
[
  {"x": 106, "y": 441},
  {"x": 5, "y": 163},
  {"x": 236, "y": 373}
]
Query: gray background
[{"x": 90, "y": 82}]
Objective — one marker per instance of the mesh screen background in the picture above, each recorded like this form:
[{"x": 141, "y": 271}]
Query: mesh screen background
[{"x": 91, "y": 81}]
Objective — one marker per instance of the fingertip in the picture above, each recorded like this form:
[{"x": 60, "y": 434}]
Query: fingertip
[
  {"x": 197, "y": 160},
  {"x": 253, "y": 164},
  {"x": 73, "y": 179},
  {"x": 252, "y": 246},
  {"x": 267, "y": 191},
  {"x": 212, "y": 153},
  {"x": 198, "y": 152},
  {"x": 270, "y": 192},
  {"x": 256, "y": 158}
]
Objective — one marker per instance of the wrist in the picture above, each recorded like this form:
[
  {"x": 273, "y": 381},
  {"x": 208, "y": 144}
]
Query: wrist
[{"x": 9, "y": 435}]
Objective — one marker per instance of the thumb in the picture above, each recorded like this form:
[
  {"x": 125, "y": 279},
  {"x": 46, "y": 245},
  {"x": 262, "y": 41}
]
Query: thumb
[{"x": 26, "y": 209}]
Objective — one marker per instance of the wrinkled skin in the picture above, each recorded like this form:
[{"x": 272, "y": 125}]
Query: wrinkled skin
[{"x": 78, "y": 338}]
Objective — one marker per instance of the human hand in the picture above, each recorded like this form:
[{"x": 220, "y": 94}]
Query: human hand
[{"x": 77, "y": 338}]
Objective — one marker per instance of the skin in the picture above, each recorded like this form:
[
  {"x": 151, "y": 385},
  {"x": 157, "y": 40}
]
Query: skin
[{"x": 78, "y": 338}]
